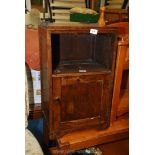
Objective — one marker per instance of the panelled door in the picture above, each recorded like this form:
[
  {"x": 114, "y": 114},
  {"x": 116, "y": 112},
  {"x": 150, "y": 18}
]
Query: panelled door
[{"x": 80, "y": 102}]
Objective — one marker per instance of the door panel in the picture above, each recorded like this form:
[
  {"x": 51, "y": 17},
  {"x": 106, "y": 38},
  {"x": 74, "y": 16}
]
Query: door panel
[{"x": 80, "y": 102}]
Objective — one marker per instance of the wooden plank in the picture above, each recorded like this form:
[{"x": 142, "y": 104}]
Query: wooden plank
[
  {"x": 123, "y": 106},
  {"x": 117, "y": 11},
  {"x": 87, "y": 138},
  {"x": 117, "y": 81},
  {"x": 120, "y": 147},
  {"x": 121, "y": 55}
]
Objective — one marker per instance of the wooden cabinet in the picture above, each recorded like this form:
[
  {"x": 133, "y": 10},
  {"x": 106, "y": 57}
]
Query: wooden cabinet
[
  {"x": 114, "y": 139},
  {"x": 77, "y": 74},
  {"x": 120, "y": 103}
]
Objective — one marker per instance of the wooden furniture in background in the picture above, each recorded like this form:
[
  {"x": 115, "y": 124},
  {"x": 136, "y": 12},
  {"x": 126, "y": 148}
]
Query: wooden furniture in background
[
  {"x": 120, "y": 104},
  {"x": 101, "y": 21},
  {"x": 114, "y": 4},
  {"x": 116, "y": 15},
  {"x": 35, "y": 111},
  {"x": 77, "y": 72}
]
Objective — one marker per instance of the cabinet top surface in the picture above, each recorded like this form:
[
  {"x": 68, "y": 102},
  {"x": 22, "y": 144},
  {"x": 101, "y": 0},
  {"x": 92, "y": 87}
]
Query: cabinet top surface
[
  {"x": 75, "y": 26},
  {"x": 120, "y": 28}
]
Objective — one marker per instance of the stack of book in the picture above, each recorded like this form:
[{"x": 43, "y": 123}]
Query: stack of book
[
  {"x": 60, "y": 9},
  {"x": 114, "y": 4}
]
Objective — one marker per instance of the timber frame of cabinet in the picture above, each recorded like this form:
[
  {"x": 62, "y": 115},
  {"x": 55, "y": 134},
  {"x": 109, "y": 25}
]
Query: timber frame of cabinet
[
  {"x": 115, "y": 138},
  {"x": 77, "y": 75}
]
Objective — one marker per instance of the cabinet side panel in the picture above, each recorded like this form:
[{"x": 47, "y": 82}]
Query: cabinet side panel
[{"x": 44, "y": 68}]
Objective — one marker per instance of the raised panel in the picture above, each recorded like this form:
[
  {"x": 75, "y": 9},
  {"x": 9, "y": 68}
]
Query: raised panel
[
  {"x": 80, "y": 99},
  {"x": 81, "y": 102}
]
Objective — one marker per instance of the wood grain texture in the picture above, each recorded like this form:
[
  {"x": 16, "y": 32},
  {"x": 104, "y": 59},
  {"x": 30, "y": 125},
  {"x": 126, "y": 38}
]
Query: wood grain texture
[
  {"x": 120, "y": 102},
  {"x": 35, "y": 111},
  {"x": 123, "y": 106},
  {"x": 120, "y": 147},
  {"x": 68, "y": 129},
  {"x": 73, "y": 100},
  {"x": 87, "y": 138}
]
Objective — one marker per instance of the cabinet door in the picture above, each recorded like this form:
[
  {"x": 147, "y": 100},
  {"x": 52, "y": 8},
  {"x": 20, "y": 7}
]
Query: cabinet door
[{"x": 80, "y": 102}]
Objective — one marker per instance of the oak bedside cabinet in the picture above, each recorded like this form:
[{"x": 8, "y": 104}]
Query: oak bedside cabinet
[{"x": 77, "y": 75}]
